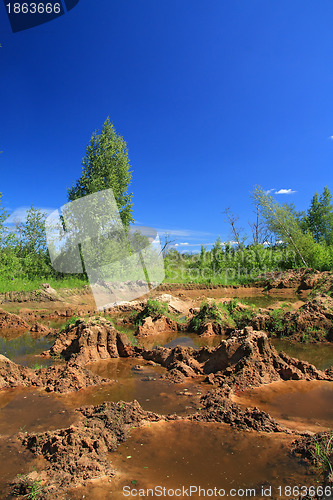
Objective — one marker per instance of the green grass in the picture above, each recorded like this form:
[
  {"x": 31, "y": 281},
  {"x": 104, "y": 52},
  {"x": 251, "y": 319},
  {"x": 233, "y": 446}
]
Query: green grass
[
  {"x": 132, "y": 338},
  {"x": 35, "y": 490},
  {"x": 37, "y": 366},
  {"x": 210, "y": 312},
  {"x": 152, "y": 308},
  {"x": 26, "y": 285},
  {"x": 277, "y": 324},
  {"x": 322, "y": 453},
  {"x": 243, "y": 318},
  {"x": 70, "y": 321},
  {"x": 222, "y": 281}
]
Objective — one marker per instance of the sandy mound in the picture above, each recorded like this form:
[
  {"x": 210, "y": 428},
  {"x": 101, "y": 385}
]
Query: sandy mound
[
  {"x": 303, "y": 279},
  {"x": 9, "y": 320},
  {"x": 80, "y": 452},
  {"x": 60, "y": 378},
  {"x": 91, "y": 340},
  {"x": 247, "y": 359},
  {"x": 217, "y": 407},
  {"x": 152, "y": 326},
  {"x": 13, "y": 375},
  {"x": 313, "y": 320}
]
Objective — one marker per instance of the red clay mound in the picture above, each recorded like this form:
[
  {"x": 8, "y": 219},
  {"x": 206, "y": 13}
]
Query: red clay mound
[
  {"x": 217, "y": 407},
  {"x": 9, "y": 320},
  {"x": 81, "y": 452},
  {"x": 91, "y": 340},
  {"x": 13, "y": 375},
  {"x": 313, "y": 320},
  {"x": 60, "y": 378},
  {"x": 303, "y": 279},
  {"x": 247, "y": 359},
  {"x": 151, "y": 326}
]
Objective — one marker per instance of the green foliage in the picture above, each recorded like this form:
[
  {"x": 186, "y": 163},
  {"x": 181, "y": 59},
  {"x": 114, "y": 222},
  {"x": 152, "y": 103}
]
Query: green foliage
[
  {"x": 132, "y": 338},
  {"x": 37, "y": 366},
  {"x": 319, "y": 217},
  {"x": 153, "y": 308},
  {"x": 70, "y": 321},
  {"x": 210, "y": 312},
  {"x": 277, "y": 325},
  {"x": 3, "y": 217},
  {"x": 106, "y": 165},
  {"x": 243, "y": 318},
  {"x": 305, "y": 338},
  {"x": 231, "y": 305},
  {"x": 322, "y": 452},
  {"x": 283, "y": 221},
  {"x": 35, "y": 490},
  {"x": 226, "y": 265},
  {"x": 33, "y": 231}
]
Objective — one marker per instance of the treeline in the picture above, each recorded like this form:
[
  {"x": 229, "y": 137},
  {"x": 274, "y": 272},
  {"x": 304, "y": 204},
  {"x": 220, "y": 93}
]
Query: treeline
[
  {"x": 227, "y": 264},
  {"x": 24, "y": 258},
  {"x": 282, "y": 238}
]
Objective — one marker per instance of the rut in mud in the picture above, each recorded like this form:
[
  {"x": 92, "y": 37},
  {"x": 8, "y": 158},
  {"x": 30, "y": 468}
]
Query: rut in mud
[{"x": 75, "y": 454}]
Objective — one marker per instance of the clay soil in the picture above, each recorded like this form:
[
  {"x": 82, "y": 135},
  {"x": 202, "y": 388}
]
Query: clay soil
[{"x": 73, "y": 455}]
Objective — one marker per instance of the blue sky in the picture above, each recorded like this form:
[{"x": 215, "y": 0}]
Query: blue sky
[{"x": 212, "y": 97}]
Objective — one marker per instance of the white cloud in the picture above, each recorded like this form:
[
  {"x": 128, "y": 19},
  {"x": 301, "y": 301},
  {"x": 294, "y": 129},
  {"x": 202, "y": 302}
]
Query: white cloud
[
  {"x": 20, "y": 214},
  {"x": 285, "y": 191},
  {"x": 182, "y": 232},
  {"x": 270, "y": 190}
]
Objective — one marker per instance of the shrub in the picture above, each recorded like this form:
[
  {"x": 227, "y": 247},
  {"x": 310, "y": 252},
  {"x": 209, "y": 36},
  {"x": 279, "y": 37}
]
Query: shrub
[
  {"x": 153, "y": 308},
  {"x": 210, "y": 312}
]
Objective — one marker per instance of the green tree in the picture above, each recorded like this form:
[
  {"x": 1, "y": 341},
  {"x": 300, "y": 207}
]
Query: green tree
[
  {"x": 282, "y": 220},
  {"x": 33, "y": 248},
  {"x": 319, "y": 218},
  {"x": 106, "y": 165},
  {"x": 33, "y": 231},
  {"x": 3, "y": 217}
]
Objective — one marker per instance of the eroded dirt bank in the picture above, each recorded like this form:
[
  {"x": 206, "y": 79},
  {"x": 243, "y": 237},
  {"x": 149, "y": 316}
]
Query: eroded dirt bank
[
  {"x": 59, "y": 378},
  {"x": 75, "y": 454},
  {"x": 247, "y": 359},
  {"x": 80, "y": 452}
]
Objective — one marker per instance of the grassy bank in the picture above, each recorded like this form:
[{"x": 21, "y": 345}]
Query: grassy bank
[{"x": 26, "y": 285}]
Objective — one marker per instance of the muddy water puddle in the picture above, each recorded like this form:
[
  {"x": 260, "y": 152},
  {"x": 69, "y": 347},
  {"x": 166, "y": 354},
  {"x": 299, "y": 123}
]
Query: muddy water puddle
[
  {"x": 24, "y": 349},
  {"x": 131, "y": 380},
  {"x": 320, "y": 355},
  {"x": 14, "y": 460},
  {"x": 173, "y": 339},
  {"x": 268, "y": 300},
  {"x": 251, "y": 296},
  {"x": 173, "y": 455},
  {"x": 27, "y": 410},
  {"x": 299, "y": 404}
]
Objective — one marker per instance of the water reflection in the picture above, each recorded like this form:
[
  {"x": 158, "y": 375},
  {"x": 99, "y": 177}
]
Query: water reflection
[
  {"x": 177, "y": 454},
  {"x": 23, "y": 349},
  {"x": 320, "y": 355}
]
